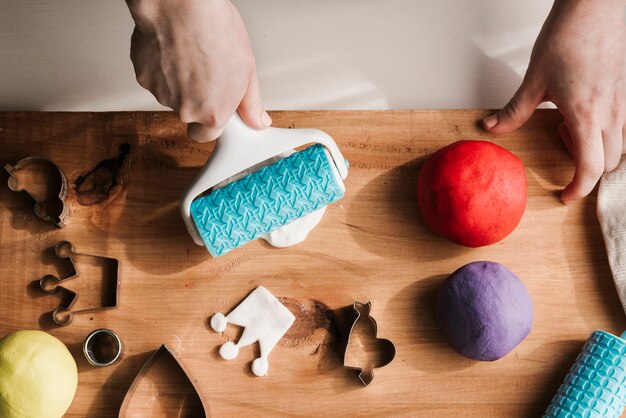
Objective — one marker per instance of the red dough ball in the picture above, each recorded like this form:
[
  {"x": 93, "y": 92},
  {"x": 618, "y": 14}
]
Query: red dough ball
[{"x": 472, "y": 192}]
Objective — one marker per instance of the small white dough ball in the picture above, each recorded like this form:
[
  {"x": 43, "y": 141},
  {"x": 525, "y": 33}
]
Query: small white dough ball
[
  {"x": 260, "y": 366},
  {"x": 228, "y": 350},
  {"x": 219, "y": 322}
]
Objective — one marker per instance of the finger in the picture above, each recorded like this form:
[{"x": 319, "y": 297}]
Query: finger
[
  {"x": 143, "y": 58},
  {"x": 566, "y": 137},
  {"x": 202, "y": 133},
  {"x": 251, "y": 107},
  {"x": 155, "y": 83},
  {"x": 624, "y": 140},
  {"x": 613, "y": 146},
  {"x": 588, "y": 152},
  {"x": 161, "y": 91},
  {"x": 517, "y": 111}
]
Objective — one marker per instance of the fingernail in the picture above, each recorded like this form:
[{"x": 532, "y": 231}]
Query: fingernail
[
  {"x": 491, "y": 121},
  {"x": 266, "y": 119}
]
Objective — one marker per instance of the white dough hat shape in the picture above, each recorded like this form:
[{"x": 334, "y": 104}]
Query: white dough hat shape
[{"x": 264, "y": 319}]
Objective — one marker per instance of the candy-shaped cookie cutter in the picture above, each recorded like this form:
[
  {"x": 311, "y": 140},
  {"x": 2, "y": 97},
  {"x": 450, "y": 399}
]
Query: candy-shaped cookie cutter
[
  {"x": 357, "y": 356},
  {"x": 49, "y": 208},
  {"x": 50, "y": 284}
]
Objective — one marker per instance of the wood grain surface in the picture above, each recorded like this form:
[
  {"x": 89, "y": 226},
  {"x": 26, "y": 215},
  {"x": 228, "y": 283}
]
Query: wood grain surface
[{"x": 126, "y": 173}]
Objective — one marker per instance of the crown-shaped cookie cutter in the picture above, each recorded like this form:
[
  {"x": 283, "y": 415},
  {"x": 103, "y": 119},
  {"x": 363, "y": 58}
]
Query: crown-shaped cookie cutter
[{"x": 50, "y": 284}]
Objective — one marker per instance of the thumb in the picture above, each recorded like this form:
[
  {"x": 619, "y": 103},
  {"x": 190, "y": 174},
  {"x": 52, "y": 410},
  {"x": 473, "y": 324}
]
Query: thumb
[
  {"x": 516, "y": 112},
  {"x": 251, "y": 107}
]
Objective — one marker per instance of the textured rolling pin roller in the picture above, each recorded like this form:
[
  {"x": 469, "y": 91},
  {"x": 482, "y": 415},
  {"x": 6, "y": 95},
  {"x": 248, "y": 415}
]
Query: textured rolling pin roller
[
  {"x": 596, "y": 384},
  {"x": 265, "y": 200}
]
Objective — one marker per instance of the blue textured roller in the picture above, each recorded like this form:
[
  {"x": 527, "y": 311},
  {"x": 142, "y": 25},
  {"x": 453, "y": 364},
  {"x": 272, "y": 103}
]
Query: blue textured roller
[
  {"x": 596, "y": 383},
  {"x": 265, "y": 200}
]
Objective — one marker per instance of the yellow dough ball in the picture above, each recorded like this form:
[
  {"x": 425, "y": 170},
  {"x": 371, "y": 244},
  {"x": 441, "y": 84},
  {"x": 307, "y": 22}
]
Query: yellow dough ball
[{"x": 38, "y": 376}]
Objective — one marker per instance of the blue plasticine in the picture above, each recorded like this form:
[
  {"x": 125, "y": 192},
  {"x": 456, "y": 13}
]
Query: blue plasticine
[
  {"x": 596, "y": 383},
  {"x": 265, "y": 200}
]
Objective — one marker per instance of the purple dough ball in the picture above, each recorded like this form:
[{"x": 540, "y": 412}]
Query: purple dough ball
[{"x": 484, "y": 310}]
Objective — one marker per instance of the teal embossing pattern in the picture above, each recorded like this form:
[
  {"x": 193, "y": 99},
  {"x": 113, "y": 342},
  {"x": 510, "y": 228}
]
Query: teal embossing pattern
[
  {"x": 596, "y": 383},
  {"x": 265, "y": 200}
]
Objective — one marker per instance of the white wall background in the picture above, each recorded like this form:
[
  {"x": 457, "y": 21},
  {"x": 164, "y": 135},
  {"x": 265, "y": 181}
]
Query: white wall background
[{"x": 311, "y": 54}]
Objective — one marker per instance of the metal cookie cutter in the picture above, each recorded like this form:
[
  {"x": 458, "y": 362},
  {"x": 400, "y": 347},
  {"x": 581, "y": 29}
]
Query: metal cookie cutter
[
  {"x": 165, "y": 386},
  {"x": 365, "y": 351},
  {"x": 102, "y": 347},
  {"x": 48, "y": 208},
  {"x": 51, "y": 284}
]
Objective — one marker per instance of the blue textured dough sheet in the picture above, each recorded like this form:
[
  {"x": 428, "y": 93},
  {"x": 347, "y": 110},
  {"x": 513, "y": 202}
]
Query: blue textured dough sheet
[{"x": 265, "y": 200}]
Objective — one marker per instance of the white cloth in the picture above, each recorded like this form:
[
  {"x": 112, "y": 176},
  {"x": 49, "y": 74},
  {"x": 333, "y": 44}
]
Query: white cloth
[{"x": 612, "y": 217}]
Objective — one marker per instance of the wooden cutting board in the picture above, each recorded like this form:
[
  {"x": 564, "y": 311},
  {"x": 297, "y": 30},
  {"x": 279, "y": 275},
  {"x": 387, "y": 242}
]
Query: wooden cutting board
[{"x": 126, "y": 172}]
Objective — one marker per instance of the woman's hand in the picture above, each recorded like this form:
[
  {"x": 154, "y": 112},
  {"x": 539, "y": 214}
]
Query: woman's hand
[
  {"x": 195, "y": 57},
  {"x": 578, "y": 63}
]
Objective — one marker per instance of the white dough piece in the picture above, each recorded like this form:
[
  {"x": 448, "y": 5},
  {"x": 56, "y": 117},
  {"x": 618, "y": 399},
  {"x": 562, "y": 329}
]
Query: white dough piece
[
  {"x": 264, "y": 319},
  {"x": 612, "y": 217},
  {"x": 296, "y": 231}
]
